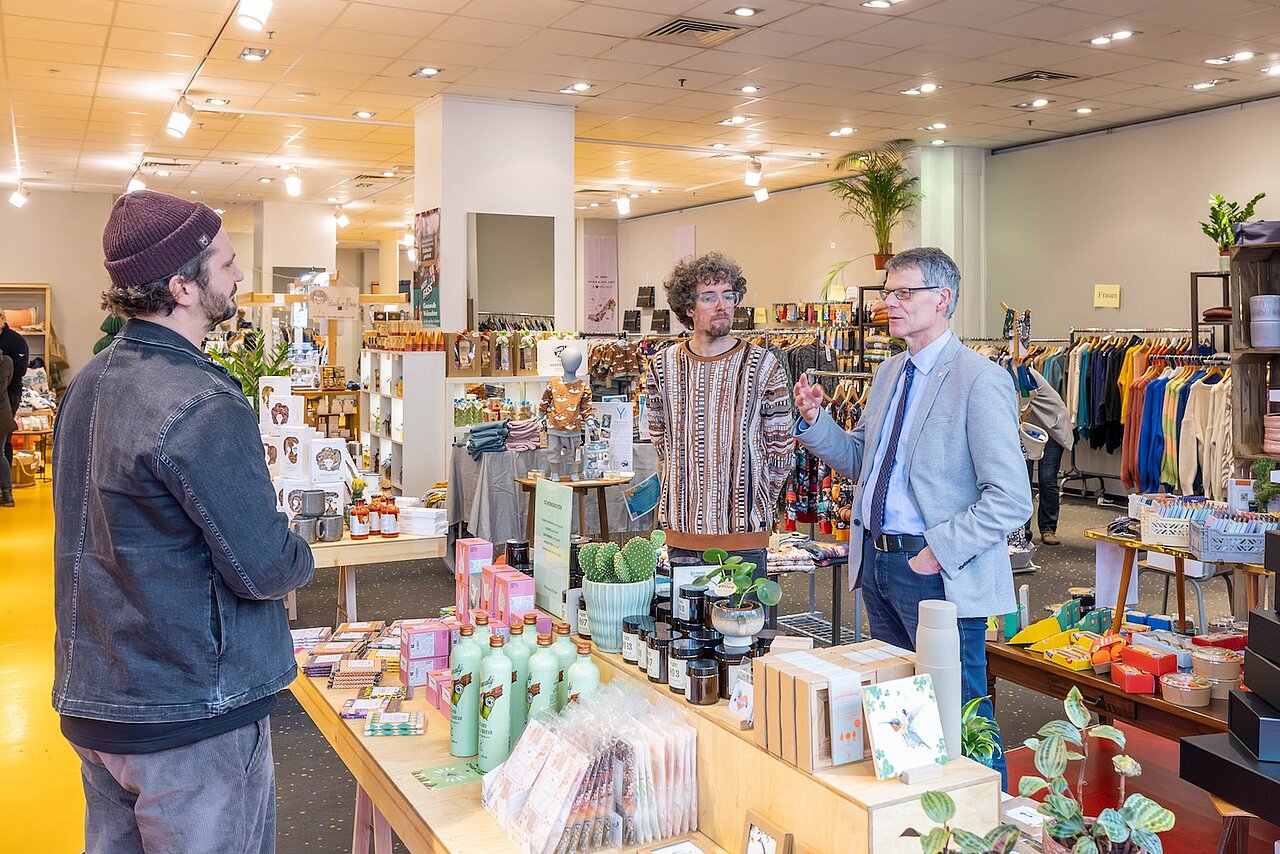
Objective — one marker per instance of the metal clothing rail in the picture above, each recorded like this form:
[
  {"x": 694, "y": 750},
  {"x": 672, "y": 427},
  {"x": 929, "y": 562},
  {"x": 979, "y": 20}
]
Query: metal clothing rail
[
  {"x": 852, "y": 375},
  {"x": 513, "y": 314}
]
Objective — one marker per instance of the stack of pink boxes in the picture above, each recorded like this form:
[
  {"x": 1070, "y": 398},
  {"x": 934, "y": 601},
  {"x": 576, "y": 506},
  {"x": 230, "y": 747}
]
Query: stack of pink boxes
[{"x": 424, "y": 653}]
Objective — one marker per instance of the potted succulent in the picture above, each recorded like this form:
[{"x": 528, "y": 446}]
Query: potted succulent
[
  {"x": 1131, "y": 828},
  {"x": 939, "y": 807},
  {"x": 617, "y": 583},
  {"x": 979, "y": 735},
  {"x": 1223, "y": 217},
  {"x": 740, "y": 620},
  {"x": 880, "y": 194}
]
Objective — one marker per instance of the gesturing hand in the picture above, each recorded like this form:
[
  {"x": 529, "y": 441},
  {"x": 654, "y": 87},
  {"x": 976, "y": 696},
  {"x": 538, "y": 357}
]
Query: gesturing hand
[{"x": 808, "y": 400}]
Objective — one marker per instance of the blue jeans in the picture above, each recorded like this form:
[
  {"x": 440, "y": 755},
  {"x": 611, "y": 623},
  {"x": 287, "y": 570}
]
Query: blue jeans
[
  {"x": 1050, "y": 492},
  {"x": 893, "y": 591},
  {"x": 216, "y": 796}
]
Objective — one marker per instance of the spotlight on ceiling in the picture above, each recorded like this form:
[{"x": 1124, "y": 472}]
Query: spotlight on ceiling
[
  {"x": 754, "y": 172},
  {"x": 761, "y": 193},
  {"x": 341, "y": 219},
  {"x": 252, "y": 14},
  {"x": 19, "y": 197},
  {"x": 255, "y": 54},
  {"x": 624, "y": 204},
  {"x": 426, "y": 71},
  {"x": 293, "y": 183},
  {"x": 180, "y": 118}
]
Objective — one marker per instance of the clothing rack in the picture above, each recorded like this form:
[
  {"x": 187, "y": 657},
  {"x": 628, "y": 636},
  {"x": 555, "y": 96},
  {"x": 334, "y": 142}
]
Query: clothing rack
[
  {"x": 515, "y": 314},
  {"x": 850, "y": 375}
]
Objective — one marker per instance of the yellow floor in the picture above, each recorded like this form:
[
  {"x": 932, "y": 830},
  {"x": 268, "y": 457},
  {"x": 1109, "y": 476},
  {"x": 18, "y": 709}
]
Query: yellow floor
[{"x": 43, "y": 805}]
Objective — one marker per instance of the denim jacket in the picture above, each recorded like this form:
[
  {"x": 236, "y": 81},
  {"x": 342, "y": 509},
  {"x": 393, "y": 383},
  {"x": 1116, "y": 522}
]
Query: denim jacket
[{"x": 170, "y": 559}]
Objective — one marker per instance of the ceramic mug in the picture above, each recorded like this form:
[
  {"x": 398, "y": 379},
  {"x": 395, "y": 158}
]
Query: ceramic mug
[
  {"x": 330, "y": 528},
  {"x": 306, "y": 527},
  {"x": 313, "y": 502}
]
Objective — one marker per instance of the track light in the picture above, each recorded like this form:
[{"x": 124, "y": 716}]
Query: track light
[
  {"x": 252, "y": 14},
  {"x": 19, "y": 197},
  {"x": 135, "y": 184},
  {"x": 761, "y": 193},
  {"x": 412, "y": 254},
  {"x": 407, "y": 238},
  {"x": 341, "y": 219},
  {"x": 754, "y": 170},
  {"x": 180, "y": 118},
  {"x": 623, "y": 201},
  {"x": 293, "y": 183}
]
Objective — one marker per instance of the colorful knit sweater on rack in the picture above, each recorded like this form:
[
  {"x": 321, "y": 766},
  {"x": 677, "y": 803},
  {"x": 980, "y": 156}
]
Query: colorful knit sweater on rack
[{"x": 721, "y": 427}]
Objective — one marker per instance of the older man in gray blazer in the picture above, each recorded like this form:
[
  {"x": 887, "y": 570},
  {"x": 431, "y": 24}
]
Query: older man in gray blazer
[{"x": 941, "y": 476}]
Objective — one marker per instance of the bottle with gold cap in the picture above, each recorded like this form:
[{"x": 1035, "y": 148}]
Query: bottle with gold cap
[
  {"x": 483, "y": 632},
  {"x": 583, "y": 676},
  {"x": 495, "y": 706},
  {"x": 464, "y": 705},
  {"x": 519, "y": 652},
  {"x": 544, "y": 670},
  {"x": 566, "y": 654}
]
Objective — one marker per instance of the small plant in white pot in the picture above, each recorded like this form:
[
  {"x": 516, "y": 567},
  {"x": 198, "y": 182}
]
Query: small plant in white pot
[
  {"x": 741, "y": 619},
  {"x": 618, "y": 583},
  {"x": 1223, "y": 217}
]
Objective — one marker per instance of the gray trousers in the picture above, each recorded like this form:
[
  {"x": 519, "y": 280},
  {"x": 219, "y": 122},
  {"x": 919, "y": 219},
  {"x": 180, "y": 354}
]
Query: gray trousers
[
  {"x": 563, "y": 451},
  {"x": 216, "y": 796}
]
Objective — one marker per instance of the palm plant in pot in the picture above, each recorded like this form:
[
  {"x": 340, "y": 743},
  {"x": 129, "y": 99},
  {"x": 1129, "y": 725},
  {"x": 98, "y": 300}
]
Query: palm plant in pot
[
  {"x": 881, "y": 194},
  {"x": 617, "y": 583},
  {"x": 252, "y": 361},
  {"x": 739, "y": 620},
  {"x": 1130, "y": 829},
  {"x": 1223, "y": 217}
]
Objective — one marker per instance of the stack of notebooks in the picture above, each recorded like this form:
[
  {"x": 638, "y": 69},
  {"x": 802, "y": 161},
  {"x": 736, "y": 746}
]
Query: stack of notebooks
[
  {"x": 424, "y": 521},
  {"x": 308, "y": 639},
  {"x": 395, "y": 723},
  {"x": 356, "y": 673}
]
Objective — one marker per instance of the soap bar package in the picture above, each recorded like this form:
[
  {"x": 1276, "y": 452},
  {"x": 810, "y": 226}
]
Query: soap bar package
[
  {"x": 295, "y": 449},
  {"x": 269, "y": 387},
  {"x": 431, "y": 640}
]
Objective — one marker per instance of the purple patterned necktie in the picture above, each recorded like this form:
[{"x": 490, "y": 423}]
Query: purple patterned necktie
[{"x": 881, "y": 493}]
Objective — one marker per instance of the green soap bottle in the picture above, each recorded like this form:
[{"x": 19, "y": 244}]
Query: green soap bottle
[
  {"x": 583, "y": 676},
  {"x": 495, "y": 706},
  {"x": 566, "y": 654},
  {"x": 544, "y": 669},
  {"x": 464, "y": 707},
  {"x": 483, "y": 632},
  {"x": 519, "y": 652}
]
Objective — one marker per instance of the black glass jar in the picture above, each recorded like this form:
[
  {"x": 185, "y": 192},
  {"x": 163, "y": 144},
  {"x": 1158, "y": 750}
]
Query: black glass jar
[
  {"x": 682, "y": 651},
  {"x": 732, "y": 664},
  {"x": 703, "y": 682},
  {"x": 709, "y": 639},
  {"x": 690, "y": 607},
  {"x": 764, "y": 639},
  {"x": 657, "y": 661},
  {"x": 631, "y": 628},
  {"x": 713, "y": 599},
  {"x": 517, "y": 552}
]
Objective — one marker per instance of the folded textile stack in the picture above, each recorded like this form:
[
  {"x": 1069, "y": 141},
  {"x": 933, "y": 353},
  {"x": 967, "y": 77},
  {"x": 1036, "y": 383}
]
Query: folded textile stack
[
  {"x": 486, "y": 438},
  {"x": 789, "y": 559},
  {"x": 1217, "y": 313},
  {"x": 524, "y": 436}
]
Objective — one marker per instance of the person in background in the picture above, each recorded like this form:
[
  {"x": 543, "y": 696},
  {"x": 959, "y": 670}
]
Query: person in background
[
  {"x": 170, "y": 559},
  {"x": 15, "y": 347},
  {"x": 720, "y": 419},
  {"x": 7, "y": 427},
  {"x": 1044, "y": 408},
  {"x": 940, "y": 471}
]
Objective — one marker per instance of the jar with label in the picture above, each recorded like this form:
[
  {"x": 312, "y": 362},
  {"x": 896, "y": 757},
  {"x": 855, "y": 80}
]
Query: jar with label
[
  {"x": 642, "y": 648},
  {"x": 713, "y": 599},
  {"x": 659, "y": 646},
  {"x": 375, "y": 514},
  {"x": 359, "y": 523},
  {"x": 390, "y": 519},
  {"x": 703, "y": 682},
  {"x": 682, "y": 651},
  {"x": 631, "y": 627},
  {"x": 691, "y": 605},
  {"x": 734, "y": 664},
  {"x": 517, "y": 552},
  {"x": 584, "y": 623}
]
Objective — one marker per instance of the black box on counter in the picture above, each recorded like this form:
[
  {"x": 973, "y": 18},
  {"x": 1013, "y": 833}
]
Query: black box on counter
[
  {"x": 1262, "y": 677},
  {"x": 1264, "y": 633},
  {"x": 1255, "y": 724},
  {"x": 1271, "y": 551},
  {"x": 1223, "y": 767}
]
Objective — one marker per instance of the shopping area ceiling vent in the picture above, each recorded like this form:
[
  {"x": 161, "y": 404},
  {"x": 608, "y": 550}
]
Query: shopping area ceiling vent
[
  {"x": 692, "y": 32},
  {"x": 1037, "y": 76}
]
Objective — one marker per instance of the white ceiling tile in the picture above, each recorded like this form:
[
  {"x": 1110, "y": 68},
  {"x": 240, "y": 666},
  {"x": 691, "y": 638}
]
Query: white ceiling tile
[
  {"x": 847, "y": 53},
  {"x": 369, "y": 44},
  {"x": 913, "y": 63},
  {"x": 769, "y": 43},
  {"x": 82, "y": 11},
  {"x": 907, "y": 33},
  {"x": 973, "y": 14},
  {"x": 604, "y": 21},
  {"x": 1110, "y": 7},
  {"x": 539, "y": 13},
  {"x": 380, "y": 19},
  {"x": 165, "y": 19},
  {"x": 979, "y": 44},
  {"x": 1043, "y": 54},
  {"x": 829, "y": 22},
  {"x": 317, "y": 12},
  {"x": 483, "y": 33},
  {"x": 48, "y": 29},
  {"x": 1048, "y": 22},
  {"x": 649, "y": 53}
]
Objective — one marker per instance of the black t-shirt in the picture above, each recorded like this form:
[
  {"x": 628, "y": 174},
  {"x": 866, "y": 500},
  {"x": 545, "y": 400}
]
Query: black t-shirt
[
  {"x": 15, "y": 347},
  {"x": 112, "y": 737}
]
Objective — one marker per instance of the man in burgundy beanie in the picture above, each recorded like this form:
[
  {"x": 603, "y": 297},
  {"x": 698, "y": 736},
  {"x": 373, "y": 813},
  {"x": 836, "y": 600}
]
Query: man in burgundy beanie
[{"x": 170, "y": 559}]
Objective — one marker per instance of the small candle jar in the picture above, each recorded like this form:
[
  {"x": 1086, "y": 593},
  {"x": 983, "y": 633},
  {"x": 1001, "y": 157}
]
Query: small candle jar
[
  {"x": 733, "y": 665},
  {"x": 642, "y": 649},
  {"x": 713, "y": 599},
  {"x": 681, "y": 653},
  {"x": 631, "y": 637},
  {"x": 661, "y": 612},
  {"x": 584, "y": 622},
  {"x": 691, "y": 605},
  {"x": 703, "y": 682},
  {"x": 709, "y": 639},
  {"x": 659, "y": 646},
  {"x": 764, "y": 639}
]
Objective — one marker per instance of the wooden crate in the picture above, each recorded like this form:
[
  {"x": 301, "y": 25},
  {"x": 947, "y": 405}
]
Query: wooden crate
[{"x": 1254, "y": 270}]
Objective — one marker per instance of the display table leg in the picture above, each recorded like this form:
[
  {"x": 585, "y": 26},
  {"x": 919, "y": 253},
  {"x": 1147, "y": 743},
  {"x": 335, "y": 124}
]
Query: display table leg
[
  {"x": 581, "y": 499},
  {"x": 528, "y": 522},
  {"x": 1126, "y": 572},
  {"x": 346, "y": 594},
  {"x": 1179, "y": 567},
  {"x": 369, "y": 824},
  {"x": 603, "y": 505},
  {"x": 837, "y": 621}
]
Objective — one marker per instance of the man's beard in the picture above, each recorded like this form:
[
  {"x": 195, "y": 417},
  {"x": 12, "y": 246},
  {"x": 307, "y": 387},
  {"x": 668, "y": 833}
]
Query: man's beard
[
  {"x": 216, "y": 311},
  {"x": 720, "y": 328}
]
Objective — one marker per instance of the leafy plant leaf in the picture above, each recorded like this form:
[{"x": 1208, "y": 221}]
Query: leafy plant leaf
[
  {"x": 1051, "y": 757},
  {"x": 715, "y": 555},
  {"x": 1077, "y": 713},
  {"x": 1085, "y": 845},
  {"x": 1003, "y": 839},
  {"x": 733, "y": 560},
  {"x": 1112, "y": 824},
  {"x": 1142, "y": 813},
  {"x": 769, "y": 592},
  {"x": 1029, "y": 786},
  {"x": 970, "y": 843},
  {"x": 935, "y": 841},
  {"x": 1110, "y": 733},
  {"x": 1148, "y": 840},
  {"x": 938, "y": 806},
  {"x": 1126, "y": 766},
  {"x": 1058, "y": 785},
  {"x": 1062, "y": 729}
]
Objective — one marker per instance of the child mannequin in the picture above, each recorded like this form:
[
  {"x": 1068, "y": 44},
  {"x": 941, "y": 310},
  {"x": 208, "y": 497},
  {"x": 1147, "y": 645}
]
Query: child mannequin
[{"x": 566, "y": 404}]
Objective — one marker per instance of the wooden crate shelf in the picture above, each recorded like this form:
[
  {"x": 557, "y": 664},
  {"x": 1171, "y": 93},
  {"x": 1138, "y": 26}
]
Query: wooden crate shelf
[{"x": 1255, "y": 270}]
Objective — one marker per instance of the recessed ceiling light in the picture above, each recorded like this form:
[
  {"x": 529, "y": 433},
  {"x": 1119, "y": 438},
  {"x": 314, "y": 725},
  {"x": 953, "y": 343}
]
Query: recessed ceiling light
[
  {"x": 1033, "y": 105},
  {"x": 307, "y": 94},
  {"x": 426, "y": 71},
  {"x": 744, "y": 11},
  {"x": 845, "y": 131},
  {"x": 1108, "y": 38},
  {"x": 333, "y": 199},
  {"x": 934, "y": 126},
  {"x": 753, "y": 136},
  {"x": 161, "y": 173},
  {"x": 655, "y": 191},
  {"x": 938, "y": 142},
  {"x": 833, "y": 133},
  {"x": 255, "y": 54},
  {"x": 264, "y": 180},
  {"x": 733, "y": 120},
  {"x": 390, "y": 173},
  {"x": 217, "y": 102},
  {"x": 1084, "y": 111},
  {"x": 364, "y": 114},
  {"x": 194, "y": 192},
  {"x": 718, "y": 145},
  {"x": 595, "y": 204},
  {"x": 1121, "y": 35},
  {"x": 881, "y": 4},
  {"x": 1242, "y": 56},
  {"x": 219, "y": 211},
  {"x": 1273, "y": 70},
  {"x": 1209, "y": 84},
  {"x": 749, "y": 90},
  {"x": 816, "y": 154},
  {"x": 922, "y": 89},
  {"x": 581, "y": 87},
  {"x": 635, "y": 195}
]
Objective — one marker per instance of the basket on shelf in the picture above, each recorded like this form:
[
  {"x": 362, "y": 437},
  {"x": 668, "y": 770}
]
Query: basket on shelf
[
  {"x": 1160, "y": 531},
  {"x": 1212, "y": 545},
  {"x": 1137, "y": 501}
]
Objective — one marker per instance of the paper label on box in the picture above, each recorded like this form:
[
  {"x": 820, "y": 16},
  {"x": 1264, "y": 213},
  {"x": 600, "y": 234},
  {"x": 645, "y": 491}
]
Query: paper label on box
[
  {"x": 365, "y": 705},
  {"x": 845, "y": 694},
  {"x": 383, "y": 691},
  {"x": 394, "y": 718},
  {"x": 742, "y": 699},
  {"x": 326, "y": 659},
  {"x": 361, "y": 665}
]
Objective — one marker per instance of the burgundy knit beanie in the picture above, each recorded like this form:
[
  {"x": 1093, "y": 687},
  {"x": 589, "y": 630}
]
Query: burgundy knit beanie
[{"x": 150, "y": 235}]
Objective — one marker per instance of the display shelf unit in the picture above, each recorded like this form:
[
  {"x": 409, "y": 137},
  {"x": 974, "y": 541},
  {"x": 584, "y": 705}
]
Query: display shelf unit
[
  {"x": 1255, "y": 270},
  {"x": 1196, "y": 322},
  {"x": 18, "y": 295},
  {"x": 403, "y": 418},
  {"x": 331, "y": 423}
]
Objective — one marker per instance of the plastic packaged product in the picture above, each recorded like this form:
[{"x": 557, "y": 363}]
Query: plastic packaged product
[
  {"x": 544, "y": 671},
  {"x": 495, "y": 706},
  {"x": 1216, "y": 662},
  {"x": 1186, "y": 689},
  {"x": 583, "y": 676},
  {"x": 566, "y": 654},
  {"x": 464, "y": 710},
  {"x": 519, "y": 651}
]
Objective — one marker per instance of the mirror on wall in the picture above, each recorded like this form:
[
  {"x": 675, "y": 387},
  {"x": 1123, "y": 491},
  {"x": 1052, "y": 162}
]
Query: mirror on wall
[{"x": 510, "y": 267}]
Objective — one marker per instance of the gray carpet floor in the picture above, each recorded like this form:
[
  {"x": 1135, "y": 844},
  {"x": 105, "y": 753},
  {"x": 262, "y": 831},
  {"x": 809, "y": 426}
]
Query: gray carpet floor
[{"x": 316, "y": 794}]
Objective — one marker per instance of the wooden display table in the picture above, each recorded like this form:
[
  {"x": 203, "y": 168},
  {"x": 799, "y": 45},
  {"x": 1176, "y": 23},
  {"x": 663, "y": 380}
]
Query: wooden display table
[
  {"x": 347, "y": 554},
  {"x": 1251, "y": 573},
  {"x": 1148, "y": 711},
  {"x": 580, "y": 489}
]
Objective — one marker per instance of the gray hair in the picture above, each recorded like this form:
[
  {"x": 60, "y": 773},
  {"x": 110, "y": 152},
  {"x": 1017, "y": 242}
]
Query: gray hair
[{"x": 936, "y": 268}]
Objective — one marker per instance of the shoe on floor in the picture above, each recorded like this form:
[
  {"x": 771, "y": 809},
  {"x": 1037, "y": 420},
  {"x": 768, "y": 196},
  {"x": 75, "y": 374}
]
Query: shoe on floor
[
  {"x": 1050, "y": 539},
  {"x": 6, "y": 500}
]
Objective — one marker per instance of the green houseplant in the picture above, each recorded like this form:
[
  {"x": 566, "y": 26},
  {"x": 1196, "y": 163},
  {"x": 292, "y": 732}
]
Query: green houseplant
[
  {"x": 1131, "y": 828},
  {"x": 939, "y": 807},
  {"x": 252, "y": 361},
  {"x": 739, "y": 620},
  {"x": 1263, "y": 489},
  {"x": 1223, "y": 216},
  {"x": 618, "y": 583},
  {"x": 881, "y": 194},
  {"x": 979, "y": 734}
]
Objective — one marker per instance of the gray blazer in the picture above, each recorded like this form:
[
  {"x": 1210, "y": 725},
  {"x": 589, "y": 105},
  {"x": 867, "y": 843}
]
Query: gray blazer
[{"x": 965, "y": 469}]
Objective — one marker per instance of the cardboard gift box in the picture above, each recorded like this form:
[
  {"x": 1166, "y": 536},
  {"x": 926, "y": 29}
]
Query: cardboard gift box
[
  {"x": 1262, "y": 676},
  {"x": 267, "y": 388},
  {"x": 286, "y": 410},
  {"x": 324, "y": 457},
  {"x": 463, "y": 357},
  {"x": 1224, "y": 640},
  {"x": 289, "y": 494},
  {"x": 1133, "y": 680},
  {"x": 272, "y": 452},
  {"x": 513, "y": 594},
  {"x": 1264, "y": 632},
  {"x": 1151, "y": 660},
  {"x": 471, "y": 556},
  {"x": 413, "y": 672},
  {"x": 295, "y": 451},
  {"x": 432, "y": 639}
]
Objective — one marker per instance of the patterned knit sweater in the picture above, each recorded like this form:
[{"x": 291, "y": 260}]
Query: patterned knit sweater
[{"x": 722, "y": 430}]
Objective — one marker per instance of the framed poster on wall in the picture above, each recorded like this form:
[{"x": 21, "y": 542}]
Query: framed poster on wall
[
  {"x": 600, "y": 278},
  {"x": 426, "y": 274}
]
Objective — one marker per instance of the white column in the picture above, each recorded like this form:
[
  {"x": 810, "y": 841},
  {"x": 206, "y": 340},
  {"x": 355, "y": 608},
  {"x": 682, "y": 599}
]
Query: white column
[
  {"x": 388, "y": 265},
  {"x": 499, "y": 157},
  {"x": 952, "y": 217},
  {"x": 294, "y": 234}
]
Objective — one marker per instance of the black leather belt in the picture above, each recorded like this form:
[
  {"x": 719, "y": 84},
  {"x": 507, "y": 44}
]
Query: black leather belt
[{"x": 899, "y": 543}]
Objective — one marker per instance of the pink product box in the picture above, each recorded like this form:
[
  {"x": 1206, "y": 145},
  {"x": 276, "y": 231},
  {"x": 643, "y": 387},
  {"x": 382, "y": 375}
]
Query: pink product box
[
  {"x": 471, "y": 556},
  {"x": 439, "y": 684},
  {"x": 544, "y": 620},
  {"x": 413, "y": 672},
  {"x": 513, "y": 594},
  {"x": 487, "y": 581},
  {"x": 446, "y": 695},
  {"x": 433, "y": 689},
  {"x": 430, "y": 640}
]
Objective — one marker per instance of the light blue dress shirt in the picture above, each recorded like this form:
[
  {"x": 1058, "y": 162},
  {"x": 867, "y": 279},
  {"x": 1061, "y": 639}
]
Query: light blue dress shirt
[{"x": 900, "y": 513}]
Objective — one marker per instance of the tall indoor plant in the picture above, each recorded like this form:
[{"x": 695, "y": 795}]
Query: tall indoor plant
[
  {"x": 881, "y": 194},
  {"x": 252, "y": 361},
  {"x": 739, "y": 620},
  {"x": 618, "y": 583},
  {"x": 1223, "y": 217}
]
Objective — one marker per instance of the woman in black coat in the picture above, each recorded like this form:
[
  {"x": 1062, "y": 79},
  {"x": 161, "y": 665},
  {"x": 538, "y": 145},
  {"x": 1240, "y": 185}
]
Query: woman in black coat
[{"x": 7, "y": 426}]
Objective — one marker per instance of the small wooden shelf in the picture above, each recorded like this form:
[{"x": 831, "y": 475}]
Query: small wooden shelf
[{"x": 1261, "y": 252}]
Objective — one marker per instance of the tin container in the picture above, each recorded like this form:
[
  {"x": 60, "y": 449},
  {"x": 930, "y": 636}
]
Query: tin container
[{"x": 1186, "y": 689}]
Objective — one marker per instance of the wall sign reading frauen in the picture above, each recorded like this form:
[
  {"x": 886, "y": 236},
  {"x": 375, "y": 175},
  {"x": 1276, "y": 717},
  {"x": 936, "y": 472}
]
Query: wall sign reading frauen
[{"x": 426, "y": 275}]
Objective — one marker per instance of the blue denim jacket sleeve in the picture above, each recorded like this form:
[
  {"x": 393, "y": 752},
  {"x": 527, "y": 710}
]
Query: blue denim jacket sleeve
[{"x": 211, "y": 457}]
